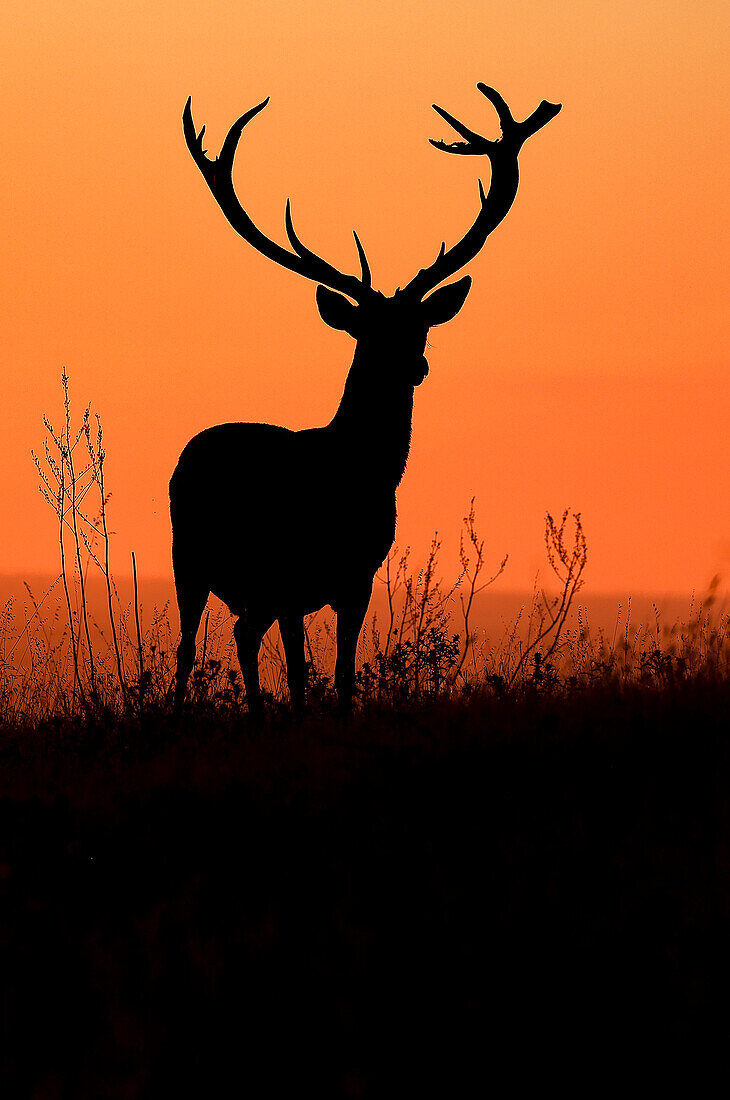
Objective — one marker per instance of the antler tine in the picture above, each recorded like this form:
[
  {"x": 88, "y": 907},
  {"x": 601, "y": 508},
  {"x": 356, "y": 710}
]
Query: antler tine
[
  {"x": 301, "y": 249},
  {"x": 320, "y": 270},
  {"x": 193, "y": 139},
  {"x": 218, "y": 174},
  {"x": 506, "y": 119},
  {"x": 228, "y": 149},
  {"x": 364, "y": 266},
  {"x": 503, "y": 157},
  {"x": 475, "y": 144}
]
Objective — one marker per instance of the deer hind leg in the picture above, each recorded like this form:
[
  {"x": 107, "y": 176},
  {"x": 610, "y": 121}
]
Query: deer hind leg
[
  {"x": 350, "y": 617},
  {"x": 191, "y": 599},
  {"x": 249, "y": 633},
  {"x": 292, "y": 635}
]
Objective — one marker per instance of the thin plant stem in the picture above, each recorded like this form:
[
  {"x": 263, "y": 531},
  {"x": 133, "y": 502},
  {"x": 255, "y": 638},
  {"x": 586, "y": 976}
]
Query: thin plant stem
[
  {"x": 107, "y": 577},
  {"x": 75, "y": 527},
  {"x": 62, "y": 549},
  {"x": 139, "y": 631}
]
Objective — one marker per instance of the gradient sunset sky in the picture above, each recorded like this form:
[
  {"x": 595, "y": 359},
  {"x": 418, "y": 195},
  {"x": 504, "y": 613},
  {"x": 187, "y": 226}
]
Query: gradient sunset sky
[{"x": 589, "y": 366}]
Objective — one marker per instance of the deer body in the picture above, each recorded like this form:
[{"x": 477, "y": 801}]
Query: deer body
[
  {"x": 278, "y": 523},
  {"x": 298, "y": 518}
]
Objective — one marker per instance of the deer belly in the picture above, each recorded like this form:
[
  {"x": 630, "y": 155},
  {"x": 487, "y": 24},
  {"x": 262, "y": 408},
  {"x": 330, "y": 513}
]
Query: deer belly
[{"x": 301, "y": 566}]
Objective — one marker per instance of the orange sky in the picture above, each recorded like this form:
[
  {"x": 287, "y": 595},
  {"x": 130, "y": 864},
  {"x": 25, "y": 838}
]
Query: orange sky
[{"x": 589, "y": 367}]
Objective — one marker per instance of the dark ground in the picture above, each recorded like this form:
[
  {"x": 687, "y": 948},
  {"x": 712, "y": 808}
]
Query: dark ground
[{"x": 439, "y": 901}]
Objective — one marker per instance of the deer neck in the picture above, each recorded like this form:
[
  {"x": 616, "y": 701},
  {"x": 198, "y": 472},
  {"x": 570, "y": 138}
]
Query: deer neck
[{"x": 372, "y": 424}]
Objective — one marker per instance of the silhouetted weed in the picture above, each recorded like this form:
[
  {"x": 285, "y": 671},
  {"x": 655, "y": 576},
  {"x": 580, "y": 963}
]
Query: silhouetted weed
[{"x": 425, "y": 649}]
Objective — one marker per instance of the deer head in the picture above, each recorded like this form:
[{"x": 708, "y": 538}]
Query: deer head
[{"x": 390, "y": 331}]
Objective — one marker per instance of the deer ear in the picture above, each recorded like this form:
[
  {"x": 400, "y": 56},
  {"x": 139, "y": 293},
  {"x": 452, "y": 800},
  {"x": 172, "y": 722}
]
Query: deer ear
[
  {"x": 336, "y": 311},
  {"x": 445, "y": 303}
]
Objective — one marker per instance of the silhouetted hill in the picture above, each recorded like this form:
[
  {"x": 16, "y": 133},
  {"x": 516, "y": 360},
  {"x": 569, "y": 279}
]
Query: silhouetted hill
[{"x": 447, "y": 898}]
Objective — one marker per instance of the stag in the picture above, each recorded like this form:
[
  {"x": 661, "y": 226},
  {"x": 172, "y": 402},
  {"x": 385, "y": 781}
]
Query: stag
[{"x": 278, "y": 523}]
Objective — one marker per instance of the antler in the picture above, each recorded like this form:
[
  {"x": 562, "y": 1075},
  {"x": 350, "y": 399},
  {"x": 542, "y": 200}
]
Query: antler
[
  {"x": 503, "y": 157},
  {"x": 218, "y": 174}
]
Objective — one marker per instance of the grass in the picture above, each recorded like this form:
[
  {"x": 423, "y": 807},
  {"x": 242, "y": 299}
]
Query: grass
[
  {"x": 507, "y": 867},
  {"x": 423, "y": 648}
]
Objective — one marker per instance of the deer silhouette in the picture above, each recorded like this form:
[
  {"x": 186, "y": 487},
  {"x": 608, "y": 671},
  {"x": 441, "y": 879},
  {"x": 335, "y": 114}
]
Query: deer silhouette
[{"x": 278, "y": 523}]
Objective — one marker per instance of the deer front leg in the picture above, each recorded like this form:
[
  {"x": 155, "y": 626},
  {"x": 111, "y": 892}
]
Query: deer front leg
[
  {"x": 350, "y": 617},
  {"x": 292, "y": 635}
]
